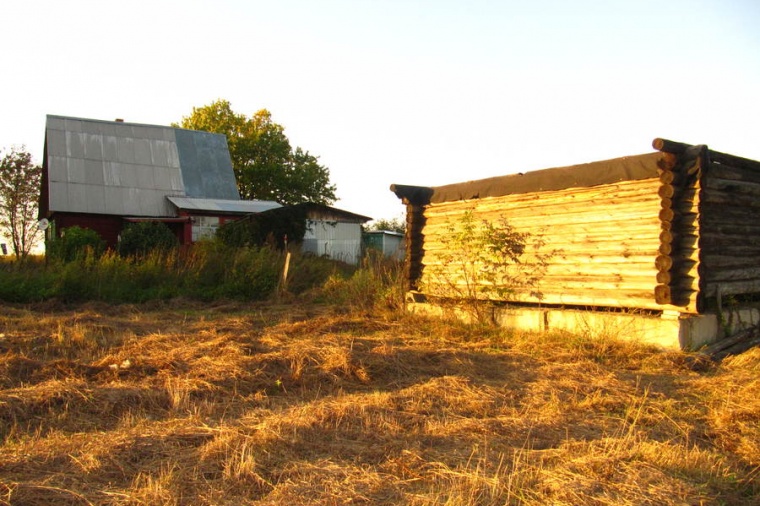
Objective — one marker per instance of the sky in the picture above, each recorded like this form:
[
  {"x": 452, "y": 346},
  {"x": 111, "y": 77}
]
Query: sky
[{"x": 418, "y": 92}]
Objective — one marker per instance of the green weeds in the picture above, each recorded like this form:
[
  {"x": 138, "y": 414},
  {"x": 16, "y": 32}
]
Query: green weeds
[{"x": 208, "y": 270}]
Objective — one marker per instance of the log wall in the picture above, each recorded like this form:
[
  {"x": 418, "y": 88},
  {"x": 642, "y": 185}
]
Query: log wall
[
  {"x": 677, "y": 229},
  {"x": 678, "y": 259},
  {"x": 711, "y": 225},
  {"x": 730, "y": 226},
  {"x": 602, "y": 241}
]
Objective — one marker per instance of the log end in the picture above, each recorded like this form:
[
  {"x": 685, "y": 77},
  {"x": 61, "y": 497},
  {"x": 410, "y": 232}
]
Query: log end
[{"x": 662, "y": 294}]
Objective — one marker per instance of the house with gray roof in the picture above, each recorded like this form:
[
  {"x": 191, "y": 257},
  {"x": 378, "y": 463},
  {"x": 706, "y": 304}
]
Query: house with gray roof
[{"x": 103, "y": 175}]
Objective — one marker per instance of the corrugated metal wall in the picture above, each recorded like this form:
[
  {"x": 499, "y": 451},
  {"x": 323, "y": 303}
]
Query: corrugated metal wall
[{"x": 339, "y": 241}]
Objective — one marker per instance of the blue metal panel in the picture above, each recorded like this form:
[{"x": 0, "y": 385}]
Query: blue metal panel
[{"x": 205, "y": 165}]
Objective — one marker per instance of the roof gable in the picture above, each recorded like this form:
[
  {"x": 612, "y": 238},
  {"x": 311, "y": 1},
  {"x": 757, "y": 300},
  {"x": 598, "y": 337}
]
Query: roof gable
[
  {"x": 116, "y": 168},
  {"x": 205, "y": 164}
]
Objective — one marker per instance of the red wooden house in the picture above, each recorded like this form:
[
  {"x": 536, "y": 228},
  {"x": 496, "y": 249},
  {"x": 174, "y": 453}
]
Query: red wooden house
[{"x": 103, "y": 175}]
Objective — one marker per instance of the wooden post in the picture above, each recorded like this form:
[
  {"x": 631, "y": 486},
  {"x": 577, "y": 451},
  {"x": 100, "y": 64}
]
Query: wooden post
[{"x": 284, "y": 284}]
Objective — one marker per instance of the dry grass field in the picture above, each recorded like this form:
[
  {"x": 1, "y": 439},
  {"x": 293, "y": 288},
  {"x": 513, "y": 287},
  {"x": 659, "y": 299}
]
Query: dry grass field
[{"x": 230, "y": 404}]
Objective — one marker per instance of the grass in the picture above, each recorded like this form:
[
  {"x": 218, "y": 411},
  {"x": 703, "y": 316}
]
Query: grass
[
  {"x": 262, "y": 403},
  {"x": 207, "y": 271}
]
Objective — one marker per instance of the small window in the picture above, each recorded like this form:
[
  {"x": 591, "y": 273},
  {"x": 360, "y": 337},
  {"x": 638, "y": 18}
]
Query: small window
[{"x": 204, "y": 227}]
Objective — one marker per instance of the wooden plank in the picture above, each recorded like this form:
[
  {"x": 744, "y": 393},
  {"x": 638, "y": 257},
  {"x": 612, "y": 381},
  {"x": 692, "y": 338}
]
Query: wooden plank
[
  {"x": 737, "y": 343},
  {"x": 534, "y": 223},
  {"x": 609, "y": 209},
  {"x": 732, "y": 186},
  {"x": 747, "y": 272},
  {"x": 635, "y": 273},
  {"x": 726, "y": 198},
  {"x": 577, "y": 231},
  {"x": 624, "y": 190},
  {"x": 712, "y": 213},
  {"x": 744, "y": 164},
  {"x": 624, "y": 250},
  {"x": 720, "y": 261},
  {"x": 737, "y": 287},
  {"x": 730, "y": 247}
]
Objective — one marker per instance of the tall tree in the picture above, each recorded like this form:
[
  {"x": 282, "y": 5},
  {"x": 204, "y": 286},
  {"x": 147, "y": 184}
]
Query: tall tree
[
  {"x": 266, "y": 166},
  {"x": 19, "y": 195}
]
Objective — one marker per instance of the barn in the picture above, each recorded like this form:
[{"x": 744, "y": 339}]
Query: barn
[
  {"x": 334, "y": 233},
  {"x": 103, "y": 175},
  {"x": 664, "y": 246}
]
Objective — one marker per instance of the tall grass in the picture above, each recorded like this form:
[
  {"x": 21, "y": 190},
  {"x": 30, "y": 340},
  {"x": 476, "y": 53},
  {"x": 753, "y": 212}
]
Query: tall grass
[
  {"x": 206, "y": 271},
  {"x": 375, "y": 285}
]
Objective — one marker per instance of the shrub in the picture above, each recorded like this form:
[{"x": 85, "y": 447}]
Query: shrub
[
  {"x": 483, "y": 261},
  {"x": 139, "y": 239},
  {"x": 214, "y": 270},
  {"x": 75, "y": 242},
  {"x": 376, "y": 284},
  {"x": 25, "y": 282},
  {"x": 270, "y": 227}
]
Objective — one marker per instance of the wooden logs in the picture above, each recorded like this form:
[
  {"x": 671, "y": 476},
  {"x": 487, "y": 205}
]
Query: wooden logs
[
  {"x": 678, "y": 259},
  {"x": 730, "y": 228},
  {"x": 688, "y": 231},
  {"x": 598, "y": 243}
]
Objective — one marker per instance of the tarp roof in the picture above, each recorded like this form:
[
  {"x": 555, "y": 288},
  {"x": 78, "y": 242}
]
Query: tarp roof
[{"x": 584, "y": 175}]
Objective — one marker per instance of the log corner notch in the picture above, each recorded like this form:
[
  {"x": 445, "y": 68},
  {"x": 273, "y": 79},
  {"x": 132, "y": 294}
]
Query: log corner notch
[
  {"x": 415, "y": 198},
  {"x": 415, "y": 195},
  {"x": 678, "y": 262}
]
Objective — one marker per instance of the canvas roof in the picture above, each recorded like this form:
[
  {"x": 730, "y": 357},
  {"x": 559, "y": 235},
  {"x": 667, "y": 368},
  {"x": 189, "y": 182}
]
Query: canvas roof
[
  {"x": 117, "y": 168},
  {"x": 584, "y": 175}
]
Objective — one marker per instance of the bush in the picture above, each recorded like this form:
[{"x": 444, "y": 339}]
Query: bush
[
  {"x": 139, "y": 239},
  {"x": 25, "y": 282},
  {"x": 75, "y": 242},
  {"x": 375, "y": 285},
  {"x": 214, "y": 270}
]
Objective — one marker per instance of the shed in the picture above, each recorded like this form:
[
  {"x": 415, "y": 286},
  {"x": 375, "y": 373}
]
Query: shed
[
  {"x": 317, "y": 229},
  {"x": 103, "y": 175},
  {"x": 334, "y": 233},
  {"x": 670, "y": 234},
  {"x": 387, "y": 242}
]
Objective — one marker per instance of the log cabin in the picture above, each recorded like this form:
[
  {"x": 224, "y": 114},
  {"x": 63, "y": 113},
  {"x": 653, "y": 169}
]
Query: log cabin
[{"x": 670, "y": 236}]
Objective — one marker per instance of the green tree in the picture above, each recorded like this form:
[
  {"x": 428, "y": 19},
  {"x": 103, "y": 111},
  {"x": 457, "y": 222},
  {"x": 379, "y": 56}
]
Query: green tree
[
  {"x": 19, "y": 195},
  {"x": 392, "y": 225},
  {"x": 266, "y": 166}
]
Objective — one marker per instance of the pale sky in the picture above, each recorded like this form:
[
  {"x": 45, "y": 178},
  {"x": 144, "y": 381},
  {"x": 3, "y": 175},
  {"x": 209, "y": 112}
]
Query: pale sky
[{"x": 424, "y": 92}]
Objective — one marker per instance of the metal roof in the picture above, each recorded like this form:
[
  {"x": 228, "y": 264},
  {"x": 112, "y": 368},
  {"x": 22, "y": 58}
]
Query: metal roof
[
  {"x": 384, "y": 232},
  {"x": 117, "y": 168},
  {"x": 223, "y": 206}
]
